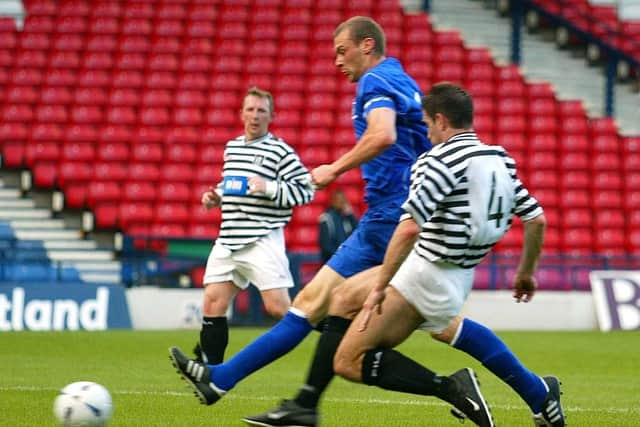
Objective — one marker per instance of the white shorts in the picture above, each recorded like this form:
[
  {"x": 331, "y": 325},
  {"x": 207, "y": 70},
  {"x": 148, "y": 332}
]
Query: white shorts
[
  {"x": 263, "y": 263},
  {"x": 436, "y": 290}
]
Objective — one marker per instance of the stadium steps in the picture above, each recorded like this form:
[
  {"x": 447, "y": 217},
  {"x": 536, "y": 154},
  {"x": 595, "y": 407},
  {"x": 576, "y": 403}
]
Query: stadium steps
[
  {"x": 37, "y": 231},
  {"x": 571, "y": 78}
]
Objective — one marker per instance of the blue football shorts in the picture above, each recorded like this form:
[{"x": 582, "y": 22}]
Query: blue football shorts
[{"x": 364, "y": 248}]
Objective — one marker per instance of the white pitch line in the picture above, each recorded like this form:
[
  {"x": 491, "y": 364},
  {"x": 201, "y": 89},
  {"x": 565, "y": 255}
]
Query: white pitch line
[{"x": 568, "y": 409}]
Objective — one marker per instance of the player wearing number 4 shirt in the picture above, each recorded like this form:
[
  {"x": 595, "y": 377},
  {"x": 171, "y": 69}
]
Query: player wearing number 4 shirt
[{"x": 462, "y": 199}]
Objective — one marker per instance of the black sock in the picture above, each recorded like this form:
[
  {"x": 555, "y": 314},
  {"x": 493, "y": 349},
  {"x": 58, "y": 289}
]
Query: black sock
[
  {"x": 214, "y": 337},
  {"x": 320, "y": 327},
  {"x": 391, "y": 370},
  {"x": 321, "y": 372}
]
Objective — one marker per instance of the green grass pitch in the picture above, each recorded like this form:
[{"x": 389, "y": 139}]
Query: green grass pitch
[{"x": 599, "y": 372}]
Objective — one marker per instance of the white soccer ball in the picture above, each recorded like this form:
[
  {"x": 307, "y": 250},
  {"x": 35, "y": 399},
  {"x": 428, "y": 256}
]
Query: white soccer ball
[{"x": 83, "y": 404}]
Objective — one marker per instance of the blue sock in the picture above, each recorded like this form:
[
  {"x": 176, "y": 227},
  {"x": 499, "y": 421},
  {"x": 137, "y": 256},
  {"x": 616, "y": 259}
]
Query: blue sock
[
  {"x": 277, "y": 341},
  {"x": 480, "y": 342}
]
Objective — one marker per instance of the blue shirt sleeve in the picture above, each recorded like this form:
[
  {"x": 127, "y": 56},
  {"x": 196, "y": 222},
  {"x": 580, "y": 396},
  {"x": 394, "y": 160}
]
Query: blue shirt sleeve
[{"x": 376, "y": 94}]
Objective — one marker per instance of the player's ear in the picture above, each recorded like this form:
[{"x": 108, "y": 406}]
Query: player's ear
[{"x": 368, "y": 45}]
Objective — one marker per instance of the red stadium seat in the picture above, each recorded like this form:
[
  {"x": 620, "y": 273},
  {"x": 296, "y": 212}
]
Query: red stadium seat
[
  {"x": 187, "y": 116},
  {"x": 547, "y": 179},
  {"x": 106, "y": 215},
  {"x": 21, "y": 94},
  {"x": 147, "y": 152},
  {"x": 511, "y": 123},
  {"x": 90, "y": 97},
  {"x": 607, "y": 200},
  {"x": 574, "y": 161},
  {"x": 606, "y": 143},
  {"x": 181, "y": 153},
  {"x": 508, "y": 105},
  {"x": 543, "y": 160},
  {"x": 604, "y": 126},
  {"x": 173, "y": 192},
  {"x": 41, "y": 151},
  {"x": 577, "y": 218},
  {"x": 47, "y": 132},
  {"x": 605, "y": 161},
  {"x": 99, "y": 192},
  {"x": 610, "y": 180},
  {"x": 578, "y": 179},
  {"x": 313, "y": 156},
  {"x": 609, "y": 218},
  {"x": 578, "y": 241},
  {"x": 86, "y": 114},
  {"x": 75, "y": 195},
  {"x": 183, "y": 135},
  {"x": 177, "y": 172},
  {"x": 302, "y": 238},
  {"x": 134, "y": 212},
  {"x": 143, "y": 191},
  {"x": 101, "y": 43},
  {"x": 167, "y": 230},
  {"x": 632, "y": 181},
  {"x": 144, "y": 172},
  {"x": 171, "y": 213},
  {"x": 55, "y": 95},
  {"x": 132, "y": 79},
  {"x": 114, "y": 171},
  {"x": 44, "y": 174},
  {"x": 113, "y": 152},
  {"x": 92, "y": 78},
  {"x": 610, "y": 241},
  {"x": 33, "y": 77},
  {"x": 21, "y": 113},
  {"x": 572, "y": 199},
  {"x": 78, "y": 151}
]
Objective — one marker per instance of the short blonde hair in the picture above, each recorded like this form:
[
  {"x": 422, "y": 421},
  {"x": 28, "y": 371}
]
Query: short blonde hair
[{"x": 260, "y": 93}]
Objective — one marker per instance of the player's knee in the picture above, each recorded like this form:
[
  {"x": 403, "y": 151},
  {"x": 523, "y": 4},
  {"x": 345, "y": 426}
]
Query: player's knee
[
  {"x": 215, "y": 303},
  {"x": 446, "y": 336},
  {"x": 277, "y": 308},
  {"x": 343, "y": 304}
]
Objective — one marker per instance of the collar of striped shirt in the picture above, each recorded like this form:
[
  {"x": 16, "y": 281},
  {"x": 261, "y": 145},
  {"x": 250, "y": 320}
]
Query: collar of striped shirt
[
  {"x": 464, "y": 136},
  {"x": 253, "y": 141}
]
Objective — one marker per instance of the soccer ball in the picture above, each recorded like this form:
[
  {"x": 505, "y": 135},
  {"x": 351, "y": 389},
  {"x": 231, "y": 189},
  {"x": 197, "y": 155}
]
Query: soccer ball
[{"x": 83, "y": 404}]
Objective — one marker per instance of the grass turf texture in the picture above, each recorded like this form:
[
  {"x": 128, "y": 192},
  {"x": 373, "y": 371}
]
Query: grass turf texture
[{"x": 599, "y": 374}]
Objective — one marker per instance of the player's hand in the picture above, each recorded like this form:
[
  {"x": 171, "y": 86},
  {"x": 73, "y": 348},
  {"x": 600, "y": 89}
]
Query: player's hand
[
  {"x": 373, "y": 302},
  {"x": 322, "y": 176},
  {"x": 210, "y": 199},
  {"x": 257, "y": 185},
  {"x": 524, "y": 286}
]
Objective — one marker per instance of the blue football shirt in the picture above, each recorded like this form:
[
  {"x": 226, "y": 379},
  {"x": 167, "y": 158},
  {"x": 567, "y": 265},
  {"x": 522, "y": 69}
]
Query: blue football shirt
[{"x": 387, "y": 175}]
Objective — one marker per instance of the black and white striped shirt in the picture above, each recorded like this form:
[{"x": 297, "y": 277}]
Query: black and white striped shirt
[
  {"x": 247, "y": 218},
  {"x": 463, "y": 195}
]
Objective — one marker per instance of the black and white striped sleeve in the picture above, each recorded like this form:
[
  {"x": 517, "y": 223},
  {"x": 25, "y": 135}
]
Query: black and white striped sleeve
[
  {"x": 435, "y": 182},
  {"x": 294, "y": 187}
]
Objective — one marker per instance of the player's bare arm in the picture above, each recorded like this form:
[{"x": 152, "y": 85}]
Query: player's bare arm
[
  {"x": 380, "y": 135},
  {"x": 400, "y": 246},
  {"x": 524, "y": 283}
]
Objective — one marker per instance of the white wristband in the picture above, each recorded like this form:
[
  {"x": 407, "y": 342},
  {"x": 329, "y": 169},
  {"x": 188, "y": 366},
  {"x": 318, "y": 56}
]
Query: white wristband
[{"x": 271, "y": 189}]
